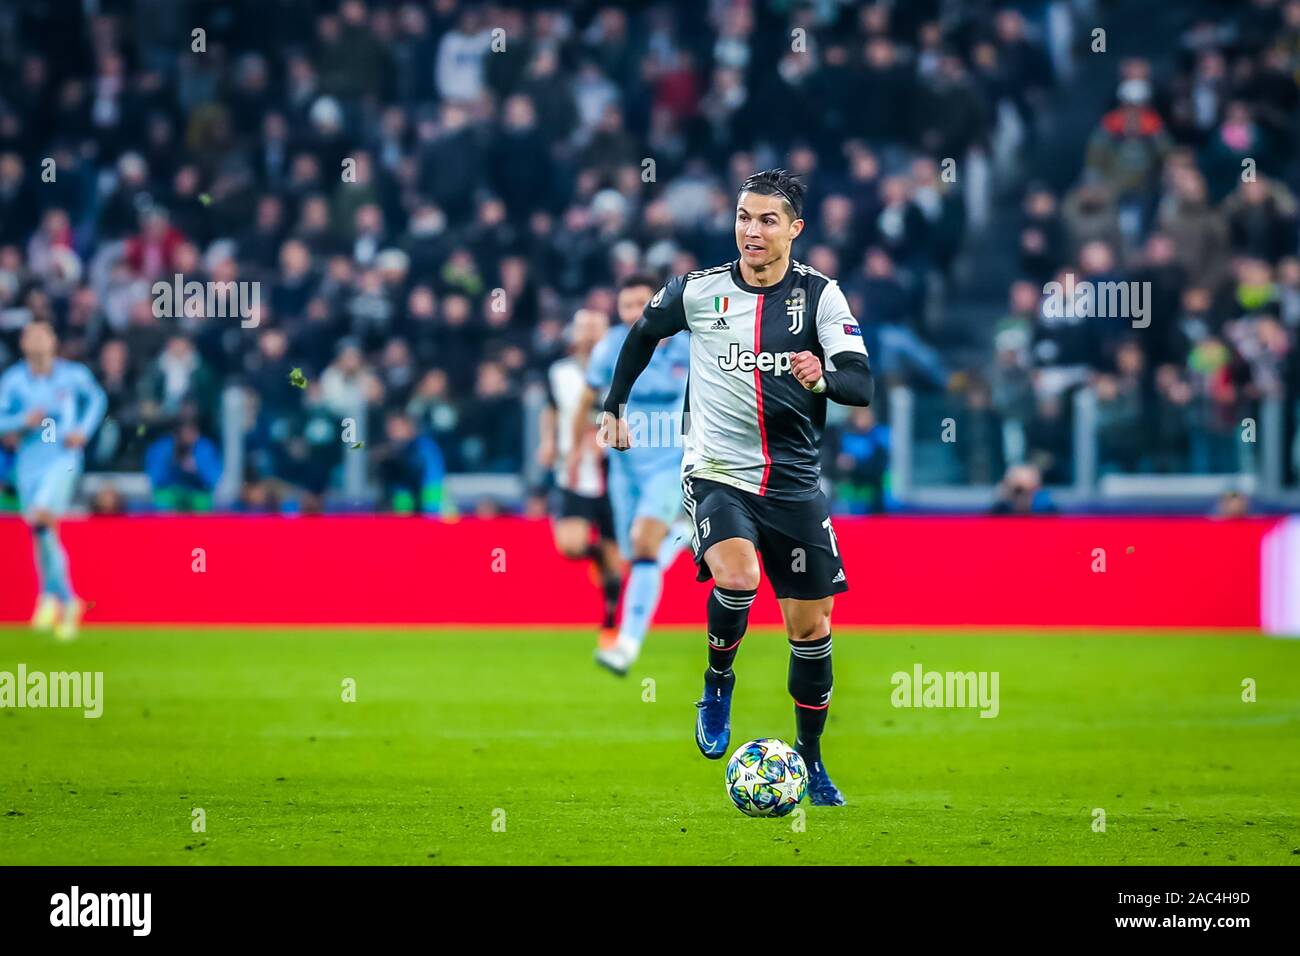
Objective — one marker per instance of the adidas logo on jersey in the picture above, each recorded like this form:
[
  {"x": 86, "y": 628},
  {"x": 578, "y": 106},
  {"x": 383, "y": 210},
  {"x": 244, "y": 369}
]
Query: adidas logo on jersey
[
  {"x": 720, "y": 326},
  {"x": 747, "y": 361},
  {"x": 839, "y": 577}
]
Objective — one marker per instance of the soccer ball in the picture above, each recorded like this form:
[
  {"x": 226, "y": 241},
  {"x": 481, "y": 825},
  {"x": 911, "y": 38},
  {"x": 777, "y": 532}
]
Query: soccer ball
[{"x": 766, "y": 778}]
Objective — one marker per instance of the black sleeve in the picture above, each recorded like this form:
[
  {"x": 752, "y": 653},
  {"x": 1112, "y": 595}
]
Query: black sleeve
[
  {"x": 851, "y": 383},
  {"x": 550, "y": 391},
  {"x": 665, "y": 315}
]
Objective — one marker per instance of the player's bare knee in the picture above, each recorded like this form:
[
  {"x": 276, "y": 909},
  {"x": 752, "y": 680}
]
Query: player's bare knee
[
  {"x": 571, "y": 542},
  {"x": 43, "y": 519},
  {"x": 644, "y": 550},
  {"x": 647, "y": 536},
  {"x": 813, "y": 630},
  {"x": 743, "y": 577},
  {"x": 573, "y": 549}
]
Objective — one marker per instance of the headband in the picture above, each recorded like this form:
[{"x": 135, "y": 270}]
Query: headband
[{"x": 748, "y": 184}]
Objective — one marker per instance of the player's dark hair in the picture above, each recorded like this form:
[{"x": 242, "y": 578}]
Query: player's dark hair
[
  {"x": 638, "y": 279},
  {"x": 778, "y": 182}
]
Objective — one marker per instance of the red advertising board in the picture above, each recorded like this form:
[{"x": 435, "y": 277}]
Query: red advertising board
[{"x": 923, "y": 571}]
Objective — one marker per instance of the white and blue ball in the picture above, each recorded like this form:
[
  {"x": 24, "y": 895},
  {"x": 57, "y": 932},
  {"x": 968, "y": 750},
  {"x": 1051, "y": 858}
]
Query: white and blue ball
[{"x": 766, "y": 778}]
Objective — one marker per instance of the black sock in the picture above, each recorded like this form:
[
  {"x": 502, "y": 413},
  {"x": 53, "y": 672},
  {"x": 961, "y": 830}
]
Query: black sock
[
  {"x": 810, "y": 686},
  {"x": 612, "y": 584},
  {"x": 728, "y": 618}
]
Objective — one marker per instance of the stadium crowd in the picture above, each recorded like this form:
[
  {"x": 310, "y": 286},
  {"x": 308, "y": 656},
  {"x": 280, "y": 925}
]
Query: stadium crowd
[
  {"x": 1189, "y": 187},
  {"x": 426, "y": 192}
]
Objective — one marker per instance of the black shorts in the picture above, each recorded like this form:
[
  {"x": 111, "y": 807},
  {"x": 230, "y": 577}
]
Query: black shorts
[
  {"x": 794, "y": 538},
  {"x": 595, "y": 511}
]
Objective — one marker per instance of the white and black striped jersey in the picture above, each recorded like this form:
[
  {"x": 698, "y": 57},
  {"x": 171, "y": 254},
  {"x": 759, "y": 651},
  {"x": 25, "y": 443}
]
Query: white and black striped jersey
[
  {"x": 751, "y": 424},
  {"x": 565, "y": 384}
]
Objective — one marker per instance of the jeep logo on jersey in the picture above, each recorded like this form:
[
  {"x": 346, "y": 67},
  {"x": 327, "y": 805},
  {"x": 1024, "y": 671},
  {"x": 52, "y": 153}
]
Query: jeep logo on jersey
[
  {"x": 747, "y": 361},
  {"x": 794, "y": 310},
  {"x": 721, "y": 303}
]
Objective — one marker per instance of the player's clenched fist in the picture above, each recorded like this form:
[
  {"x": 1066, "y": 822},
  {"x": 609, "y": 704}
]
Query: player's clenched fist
[
  {"x": 613, "y": 432},
  {"x": 807, "y": 369}
]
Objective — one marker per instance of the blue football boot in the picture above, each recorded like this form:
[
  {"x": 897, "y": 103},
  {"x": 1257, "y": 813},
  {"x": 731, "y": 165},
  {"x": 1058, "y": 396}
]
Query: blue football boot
[
  {"x": 713, "y": 720},
  {"x": 821, "y": 791}
]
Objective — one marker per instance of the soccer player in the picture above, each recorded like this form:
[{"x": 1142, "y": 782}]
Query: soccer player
[
  {"x": 771, "y": 341},
  {"x": 579, "y": 504},
  {"x": 645, "y": 484},
  {"x": 54, "y": 406}
]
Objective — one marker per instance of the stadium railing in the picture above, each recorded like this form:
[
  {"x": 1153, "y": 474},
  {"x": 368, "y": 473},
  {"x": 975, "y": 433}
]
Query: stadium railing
[{"x": 927, "y": 471}]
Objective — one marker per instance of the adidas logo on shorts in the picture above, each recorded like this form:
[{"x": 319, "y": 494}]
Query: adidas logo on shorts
[
  {"x": 720, "y": 326},
  {"x": 839, "y": 577}
]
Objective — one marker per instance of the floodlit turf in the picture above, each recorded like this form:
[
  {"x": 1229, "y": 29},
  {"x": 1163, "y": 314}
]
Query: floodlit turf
[{"x": 454, "y": 730}]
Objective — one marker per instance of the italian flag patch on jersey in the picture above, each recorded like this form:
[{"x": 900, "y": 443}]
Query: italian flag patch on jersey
[{"x": 720, "y": 303}]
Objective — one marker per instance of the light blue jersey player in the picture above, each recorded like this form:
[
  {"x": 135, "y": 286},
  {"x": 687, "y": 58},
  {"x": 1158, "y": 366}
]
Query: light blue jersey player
[
  {"x": 645, "y": 489},
  {"x": 53, "y": 407}
]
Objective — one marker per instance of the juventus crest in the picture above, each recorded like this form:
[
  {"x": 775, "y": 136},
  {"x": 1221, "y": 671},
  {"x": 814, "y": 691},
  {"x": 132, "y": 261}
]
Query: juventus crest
[{"x": 794, "y": 310}]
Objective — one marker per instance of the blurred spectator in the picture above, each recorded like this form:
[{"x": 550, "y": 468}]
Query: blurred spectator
[
  {"x": 434, "y": 411},
  {"x": 307, "y": 453},
  {"x": 1237, "y": 138},
  {"x": 177, "y": 380},
  {"x": 348, "y": 386},
  {"x": 1012, "y": 386},
  {"x": 1232, "y": 504},
  {"x": 979, "y": 441},
  {"x": 183, "y": 468},
  {"x": 107, "y": 500},
  {"x": 1047, "y": 439},
  {"x": 410, "y": 467},
  {"x": 1261, "y": 219},
  {"x": 492, "y": 424},
  {"x": 1021, "y": 492},
  {"x": 1127, "y": 151},
  {"x": 859, "y": 451},
  {"x": 1042, "y": 238},
  {"x": 152, "y": 253},
  {"x": 1198, "y": 231},
  {"x": 1090, "y": 214},
  {"x": 1121, "y": 436}
]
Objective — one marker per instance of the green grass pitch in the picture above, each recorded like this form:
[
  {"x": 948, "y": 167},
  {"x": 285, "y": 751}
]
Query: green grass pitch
[{"x": 456, "y": 730}]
